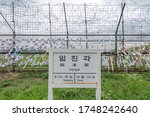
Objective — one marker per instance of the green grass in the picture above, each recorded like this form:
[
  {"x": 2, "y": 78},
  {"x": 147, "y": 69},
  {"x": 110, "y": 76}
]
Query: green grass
[{"x": 115, "y": 86}]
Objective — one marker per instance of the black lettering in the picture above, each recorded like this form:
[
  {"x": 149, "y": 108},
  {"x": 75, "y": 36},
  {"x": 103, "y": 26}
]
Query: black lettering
[
  {"x": 87, "y": 58},
  {"x": 61, "y": 110},
  {"x": 62, "y": 64},
  {"x": 14, "y": 110},
  {"x": 62, "y": 58},
  {"x": 74, "y": 65},
  {"x": 55, "y": 110},
  {"x": 38, "y": 110},
  {"x": 34, "y": 109},
  {"x": 29, "y": 109},
  {"x": 50, "y": 109},
  {"x": 47, "y": 110},
  {"x": 74, "y": 58},
  {"x": 86, "y": 64},
  {"x": 18, "y": 109},
  {"x": 66, "y": 110}
]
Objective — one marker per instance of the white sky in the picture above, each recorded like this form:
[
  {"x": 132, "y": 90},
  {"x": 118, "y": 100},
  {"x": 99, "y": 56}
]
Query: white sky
[{"x": 139, "y": 2}]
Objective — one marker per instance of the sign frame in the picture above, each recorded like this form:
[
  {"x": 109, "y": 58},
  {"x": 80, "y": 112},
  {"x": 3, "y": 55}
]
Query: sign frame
[{"x": 51, "y": 63}]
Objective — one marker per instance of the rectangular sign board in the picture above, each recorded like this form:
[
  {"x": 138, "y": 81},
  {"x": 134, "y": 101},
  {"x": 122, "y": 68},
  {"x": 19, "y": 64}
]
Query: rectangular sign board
[{"x": 76, "y": 68}]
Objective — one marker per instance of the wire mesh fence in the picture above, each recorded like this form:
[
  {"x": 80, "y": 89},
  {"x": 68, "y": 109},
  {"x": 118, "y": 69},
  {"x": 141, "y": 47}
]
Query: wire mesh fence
[{"x": 26, "y": 31}]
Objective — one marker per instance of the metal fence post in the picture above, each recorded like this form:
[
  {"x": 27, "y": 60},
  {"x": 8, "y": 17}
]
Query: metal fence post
[
  {"x": 116, "y": 38},
  {"x": 14, "y": 35},
  {"x": 122, "y": 28},
  {"x": 50, "y": 24},
  {"x": 86, "y": 31},
  {"x": 67, "y": 44}
]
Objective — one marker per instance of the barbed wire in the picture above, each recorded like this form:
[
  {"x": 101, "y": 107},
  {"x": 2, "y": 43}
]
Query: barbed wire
[{"x": 34, "y": 19}]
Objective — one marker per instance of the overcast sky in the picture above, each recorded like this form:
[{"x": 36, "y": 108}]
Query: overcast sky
[{"x": 139, "y": 2}]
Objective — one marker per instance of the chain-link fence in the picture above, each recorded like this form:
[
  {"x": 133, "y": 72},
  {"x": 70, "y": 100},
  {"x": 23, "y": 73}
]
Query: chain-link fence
[{"x": 121, "y": 32}]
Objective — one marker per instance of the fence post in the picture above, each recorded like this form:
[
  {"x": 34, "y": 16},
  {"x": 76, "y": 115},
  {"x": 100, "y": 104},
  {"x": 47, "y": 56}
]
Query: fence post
[
  {"x": 116, "y": 38},
  {"x": 14, "y": 35},
  {"x": 50, "y": 24},
  {"x": 86, "y": 31},
  {"x": 67, "y": 44},
  {"x": 122, "y": 28}
]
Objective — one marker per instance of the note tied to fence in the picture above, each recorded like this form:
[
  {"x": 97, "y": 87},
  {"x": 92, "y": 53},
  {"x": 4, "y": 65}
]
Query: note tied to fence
[{"x": 74, "y": 68}]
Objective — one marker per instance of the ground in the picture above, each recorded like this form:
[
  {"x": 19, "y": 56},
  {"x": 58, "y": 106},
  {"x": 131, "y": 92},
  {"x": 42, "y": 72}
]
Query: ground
[{"x": 115, "y": 86}]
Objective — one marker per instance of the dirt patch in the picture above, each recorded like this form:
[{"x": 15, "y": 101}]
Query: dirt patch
[{"x": 5, "y": 76}]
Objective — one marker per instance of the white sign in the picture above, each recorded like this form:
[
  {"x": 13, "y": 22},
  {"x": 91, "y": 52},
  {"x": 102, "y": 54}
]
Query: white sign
[{"x": 74, "y": 69}]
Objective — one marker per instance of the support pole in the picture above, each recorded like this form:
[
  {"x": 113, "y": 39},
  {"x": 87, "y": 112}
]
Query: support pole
[
  {"x": 14, "y": 35},
  {"x": 67, "y": 45},
  {"x": 122, "y": 28},
  {"x": 50, "y": 25},
  {"x": 86, "y": 31},
  {"x": 116, "y": 37}
]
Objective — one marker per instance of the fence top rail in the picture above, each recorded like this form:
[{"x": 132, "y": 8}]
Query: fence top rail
[{"x": 75, "y": 34}]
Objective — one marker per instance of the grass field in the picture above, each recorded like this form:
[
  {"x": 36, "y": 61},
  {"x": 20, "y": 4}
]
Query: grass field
[{"x": 115, "y": 86}]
